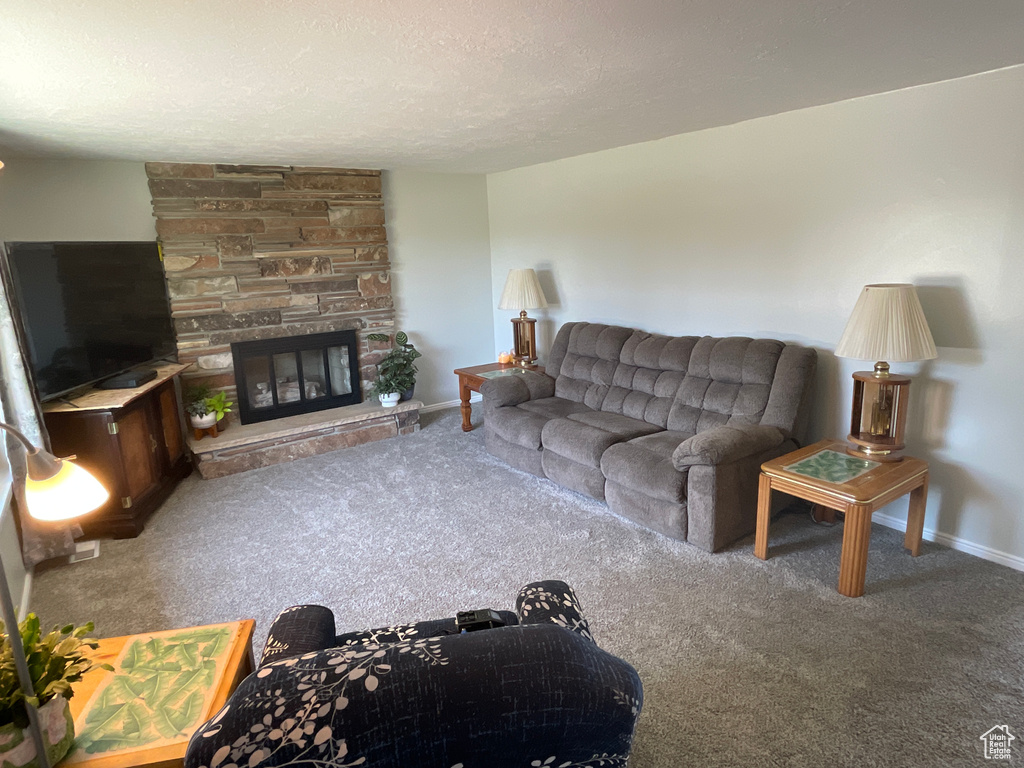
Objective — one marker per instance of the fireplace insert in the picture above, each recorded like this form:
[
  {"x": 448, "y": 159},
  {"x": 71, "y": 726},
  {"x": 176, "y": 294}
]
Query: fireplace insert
[{"x": 297, "y": 374}]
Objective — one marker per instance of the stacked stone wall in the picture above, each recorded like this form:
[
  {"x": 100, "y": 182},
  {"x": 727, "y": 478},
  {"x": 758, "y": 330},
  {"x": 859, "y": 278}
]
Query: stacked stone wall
[{"x": 263, "y": 251}]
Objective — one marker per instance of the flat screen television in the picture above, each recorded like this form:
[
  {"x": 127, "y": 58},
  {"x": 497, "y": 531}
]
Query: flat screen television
[{"x": 90, "y": 310}]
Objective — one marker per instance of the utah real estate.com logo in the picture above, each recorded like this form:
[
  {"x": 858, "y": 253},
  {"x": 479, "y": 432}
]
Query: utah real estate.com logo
[{"x": 997, "y": 742}]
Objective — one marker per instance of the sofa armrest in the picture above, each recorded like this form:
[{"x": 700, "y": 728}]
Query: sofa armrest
[
  {"x": 298, "y": 630},
  {"x": 516, "y": 389},
  {"x": 554, "y": 602},
  {"x": 722, "y": 445}
]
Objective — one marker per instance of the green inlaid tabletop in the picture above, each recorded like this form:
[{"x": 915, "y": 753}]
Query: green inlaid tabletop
[{"x": 832, "y": 466}]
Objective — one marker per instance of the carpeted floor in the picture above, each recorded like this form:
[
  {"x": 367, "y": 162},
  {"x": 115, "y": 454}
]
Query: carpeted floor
[{"x": 744, "y": 663}]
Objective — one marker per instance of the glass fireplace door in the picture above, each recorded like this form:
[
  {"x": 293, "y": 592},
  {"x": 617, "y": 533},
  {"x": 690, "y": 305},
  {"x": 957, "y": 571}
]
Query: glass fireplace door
[{"x": 284, "y": 377}]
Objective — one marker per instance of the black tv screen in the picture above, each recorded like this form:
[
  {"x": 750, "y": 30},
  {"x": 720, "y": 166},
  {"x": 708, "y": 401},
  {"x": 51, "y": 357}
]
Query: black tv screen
[{"x": 90, "y": 310}]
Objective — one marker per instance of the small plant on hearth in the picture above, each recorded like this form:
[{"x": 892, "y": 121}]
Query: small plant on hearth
[
  {"x": 195, "y": 398},
  {"x": 56, "y": 661},
  {"x": 219, "y": 404},
  {"x": 396, "y": 373}
]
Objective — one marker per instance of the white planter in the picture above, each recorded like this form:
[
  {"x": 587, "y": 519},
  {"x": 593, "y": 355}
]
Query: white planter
[
  {"x": 391, "y": 400},
  {"x": 17, "y": 747},
  {"x": 205, "y": 421}
]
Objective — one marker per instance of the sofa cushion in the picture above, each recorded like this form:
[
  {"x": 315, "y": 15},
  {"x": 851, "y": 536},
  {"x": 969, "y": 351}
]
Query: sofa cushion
[
  {"x": 584, "y": 358},
  {"x": 571, "y": 474},
  {"x": 553, "y": 407},
  {"x": 583, "y": 437},
  {"x": 727, "y": 380},
  {"x": 650, "y": 371},
  {"x": 644, "y": 465},
  {"x": 517, "y": 426}
]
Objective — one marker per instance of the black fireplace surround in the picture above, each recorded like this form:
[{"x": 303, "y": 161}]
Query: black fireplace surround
[{"x": 298, "y": 374}]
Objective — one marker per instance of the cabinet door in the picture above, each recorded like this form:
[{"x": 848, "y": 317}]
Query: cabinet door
[
  {"x": 90, "y": 438},
  {"x": 139, "y": 450},
  {"x": 170, "y": 421}
]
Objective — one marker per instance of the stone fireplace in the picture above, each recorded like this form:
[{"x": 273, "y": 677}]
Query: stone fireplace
[{"x": 257, "y": 253}]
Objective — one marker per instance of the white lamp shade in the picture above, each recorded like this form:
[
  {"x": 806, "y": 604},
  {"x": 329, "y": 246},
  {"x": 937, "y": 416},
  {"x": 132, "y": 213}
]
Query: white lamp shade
[
  {"x": 887, "y": 324},
  {"x": 68, "y": 494},
  {"x": 522, "y": 291}
]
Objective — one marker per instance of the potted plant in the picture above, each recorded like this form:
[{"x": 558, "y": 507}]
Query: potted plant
[
  {"x": 205, "y": 410},
  {"x": 397, "y": 366},
  {"x": 200, "y": 416},
  {"x": 219, "y": 405},
  {"x": 55, "y": 662},
  {"x": 198, "y": 411}
]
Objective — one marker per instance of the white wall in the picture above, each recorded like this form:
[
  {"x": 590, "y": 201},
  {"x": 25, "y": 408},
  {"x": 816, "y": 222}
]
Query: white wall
[
  {"x": 75, "y": 200},
  {"x": 440, "y": 252},
  {"x": 770, "y": 228}
]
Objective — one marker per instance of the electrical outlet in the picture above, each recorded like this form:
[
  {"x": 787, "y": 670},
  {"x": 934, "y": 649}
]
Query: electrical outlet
[{"x": 84, "y": 550}]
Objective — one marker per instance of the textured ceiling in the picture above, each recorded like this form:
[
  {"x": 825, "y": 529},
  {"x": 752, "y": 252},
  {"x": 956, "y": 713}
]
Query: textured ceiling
[{"x": 465, "y": 85}]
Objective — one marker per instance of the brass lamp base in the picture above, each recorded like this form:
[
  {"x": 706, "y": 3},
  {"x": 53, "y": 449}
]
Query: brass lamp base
[
  {"x": 878, "y": 422},
  {"x": 524, "y": 335}
]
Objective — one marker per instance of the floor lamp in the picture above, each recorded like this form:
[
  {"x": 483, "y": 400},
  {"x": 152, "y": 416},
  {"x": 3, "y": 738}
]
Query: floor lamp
[{"x": 55, "y": 489}]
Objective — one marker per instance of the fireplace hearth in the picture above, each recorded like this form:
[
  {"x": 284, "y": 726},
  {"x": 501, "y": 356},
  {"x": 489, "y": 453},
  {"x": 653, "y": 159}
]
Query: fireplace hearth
[{"x": 288, "y": 376}]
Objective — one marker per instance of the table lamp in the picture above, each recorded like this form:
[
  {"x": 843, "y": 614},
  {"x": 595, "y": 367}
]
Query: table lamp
[
  {"x": 55, "y": 489},
  {"x": 887, "y": 324},
  {"x": 523, "y": 291}
]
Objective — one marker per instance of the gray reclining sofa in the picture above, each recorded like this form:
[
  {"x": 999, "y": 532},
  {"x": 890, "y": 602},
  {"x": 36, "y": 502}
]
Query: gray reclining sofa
[{"x": 670, "y": 431}]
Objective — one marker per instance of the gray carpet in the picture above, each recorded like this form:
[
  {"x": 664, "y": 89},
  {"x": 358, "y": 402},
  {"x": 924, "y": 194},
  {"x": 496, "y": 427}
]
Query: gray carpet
[{"x": 744, "y": 662}]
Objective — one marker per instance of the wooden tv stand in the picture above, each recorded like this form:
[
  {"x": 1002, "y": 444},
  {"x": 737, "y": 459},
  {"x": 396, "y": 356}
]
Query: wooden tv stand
[{"x": 132, "y": 440}]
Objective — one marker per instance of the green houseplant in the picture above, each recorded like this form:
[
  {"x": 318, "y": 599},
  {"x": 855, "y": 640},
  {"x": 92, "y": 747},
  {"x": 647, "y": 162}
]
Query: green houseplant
[
  {"x": 219, "y": 405},
  {"x": 396, "y": 373},
  {"x": 205, "y": 409},
  {"x": 196, "y": 407},
  {"x": 56, "y": 661}
]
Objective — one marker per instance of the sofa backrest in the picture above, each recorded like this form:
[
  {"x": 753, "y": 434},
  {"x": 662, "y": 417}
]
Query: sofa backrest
[
  {"x": 583, "y": 360},
  {"x": 683, "y": 383},
  {"x": 728, "y": 380},
  {"x": 650, "y": 370}
]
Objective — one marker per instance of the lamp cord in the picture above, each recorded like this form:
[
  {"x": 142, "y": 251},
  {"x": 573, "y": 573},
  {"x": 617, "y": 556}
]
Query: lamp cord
[{"x": 31, "y": 449}]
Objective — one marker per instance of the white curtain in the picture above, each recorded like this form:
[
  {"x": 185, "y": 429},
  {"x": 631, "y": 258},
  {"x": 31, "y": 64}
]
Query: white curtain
[{"x": 18, "y": 407}]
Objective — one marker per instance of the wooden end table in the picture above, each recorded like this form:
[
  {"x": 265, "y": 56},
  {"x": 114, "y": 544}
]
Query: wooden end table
[
  {"x": 152, "y": 748},
  {"x": 825, "y": 474},
  {"x": 471, "y": 379}
]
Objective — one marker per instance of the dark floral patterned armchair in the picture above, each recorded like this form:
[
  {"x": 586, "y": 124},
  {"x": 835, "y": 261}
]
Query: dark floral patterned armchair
[{"x": 536, "y": 692}]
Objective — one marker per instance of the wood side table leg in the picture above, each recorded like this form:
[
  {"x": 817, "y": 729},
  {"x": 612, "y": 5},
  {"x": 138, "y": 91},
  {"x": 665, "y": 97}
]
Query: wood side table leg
[
  {"x": 822, "y": 514},
  {"x": 853, "y": 562},
  {"x": 467, "y": 411},
  {"x": 915, "y": 518},
  {"x": 764, "y": 513}
]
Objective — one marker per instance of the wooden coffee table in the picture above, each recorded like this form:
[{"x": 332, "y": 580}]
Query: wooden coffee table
[
  {"x": 155, "y": 657},
  {"x": 816, "y": 473},
  {"x": 471, "y": 379}
]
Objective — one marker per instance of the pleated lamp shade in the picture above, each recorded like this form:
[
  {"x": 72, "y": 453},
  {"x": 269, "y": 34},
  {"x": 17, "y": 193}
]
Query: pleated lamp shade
[
  {"x": 887, "y": 323},
  {"x": 522, "y": 291}
]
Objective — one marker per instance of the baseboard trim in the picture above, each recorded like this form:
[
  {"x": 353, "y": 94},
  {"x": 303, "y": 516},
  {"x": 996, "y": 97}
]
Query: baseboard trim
[
  {"x": 474, "y": 398},
  {"x": 955, "y": 542}
]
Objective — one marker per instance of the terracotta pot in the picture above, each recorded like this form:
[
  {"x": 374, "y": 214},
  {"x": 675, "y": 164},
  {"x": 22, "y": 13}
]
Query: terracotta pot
[
  {"x": 17, "y": 747},
  {"x": 390, "y": 400},
  {"x": 205, "y": 421}
]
